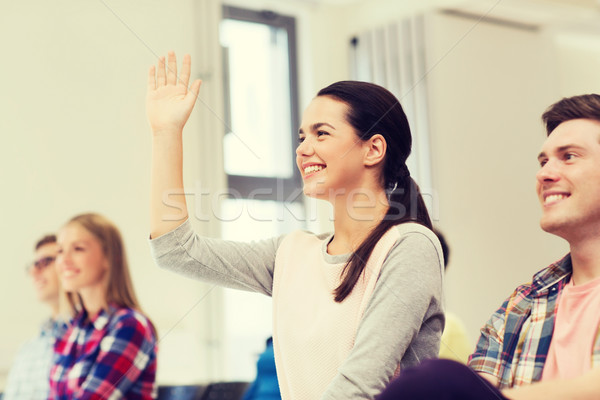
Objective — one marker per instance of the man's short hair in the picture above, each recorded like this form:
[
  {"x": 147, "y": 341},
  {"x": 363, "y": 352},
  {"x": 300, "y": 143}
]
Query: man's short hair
[
  {"x": 45, "y": 240},
  {"x": 586, "y": 106}
]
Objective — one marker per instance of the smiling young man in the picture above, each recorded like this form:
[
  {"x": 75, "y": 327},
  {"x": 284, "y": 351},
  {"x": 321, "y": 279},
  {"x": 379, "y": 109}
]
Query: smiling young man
[
  {"x": 544, "y": 341},
  {"x": 29, "y": 374},
  {"x": 547, "y": 331}
]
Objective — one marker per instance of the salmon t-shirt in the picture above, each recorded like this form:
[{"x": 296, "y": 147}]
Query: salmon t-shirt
[{"x": 575, "y": 330}]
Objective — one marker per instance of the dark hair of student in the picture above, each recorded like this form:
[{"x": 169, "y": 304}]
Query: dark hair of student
[
  {"x": 374, "y": 110},
  {"x": 586, "y": 106},
  {"x": 444, "y": 244},
  {"x": 45, "y": 240}
]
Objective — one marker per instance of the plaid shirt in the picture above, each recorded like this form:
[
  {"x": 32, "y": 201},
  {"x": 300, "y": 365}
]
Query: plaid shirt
[
  {"x": 110, "y": 356},
  {"x": 28, "y": 376},
  {"x": 514, "y": 343}
]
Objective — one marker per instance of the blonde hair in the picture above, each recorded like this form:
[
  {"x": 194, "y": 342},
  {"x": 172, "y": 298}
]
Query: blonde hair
[{"x": 119, "y": 289}]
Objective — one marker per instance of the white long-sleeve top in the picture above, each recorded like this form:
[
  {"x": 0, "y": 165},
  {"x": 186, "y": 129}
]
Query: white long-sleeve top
[{"x": 326, "y": 350}]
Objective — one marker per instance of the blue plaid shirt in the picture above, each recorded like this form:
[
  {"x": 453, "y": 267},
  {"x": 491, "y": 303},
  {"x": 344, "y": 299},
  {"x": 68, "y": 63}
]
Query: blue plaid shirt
[
  {"x": 514, "y": 343},
  {"x": 29, "y": 373}
]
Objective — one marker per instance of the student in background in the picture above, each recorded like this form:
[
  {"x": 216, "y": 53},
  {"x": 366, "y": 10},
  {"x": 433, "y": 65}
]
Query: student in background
[
  {"x": 353, "y": 308},
  {"x": 455, "y": 343},
  {"x": 109, "y": 350},
  {"x": 265, "y": 386},
  {"x": 29, "y": 373}
]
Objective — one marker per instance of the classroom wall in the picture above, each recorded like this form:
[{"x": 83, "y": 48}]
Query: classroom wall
[{"x": 76, "y": 139}]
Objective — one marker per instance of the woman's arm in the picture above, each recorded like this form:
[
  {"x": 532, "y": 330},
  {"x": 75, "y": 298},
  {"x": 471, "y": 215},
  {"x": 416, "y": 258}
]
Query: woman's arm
[
  {"x": 168, "y": 105},
  {"x": 236, "y": 265}
]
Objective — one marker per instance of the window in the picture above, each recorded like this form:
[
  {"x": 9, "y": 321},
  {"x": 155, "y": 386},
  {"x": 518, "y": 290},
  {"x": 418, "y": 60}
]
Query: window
[
  {"x": 261, "y": 103},
  {"x": 394, "y": 56},
  {"x": 265, "y": 197}
]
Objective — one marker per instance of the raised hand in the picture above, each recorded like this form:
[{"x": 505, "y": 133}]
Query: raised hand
[{"x": 168, "y": 101}]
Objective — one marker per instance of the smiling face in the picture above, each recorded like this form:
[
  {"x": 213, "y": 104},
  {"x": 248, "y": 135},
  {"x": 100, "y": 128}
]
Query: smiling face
[
  {"x": 81, "y": 261},
  {"x": 568, "y": 182},
  {"x": 44, "y": 274},
  {"x": 330, "y": 156}
]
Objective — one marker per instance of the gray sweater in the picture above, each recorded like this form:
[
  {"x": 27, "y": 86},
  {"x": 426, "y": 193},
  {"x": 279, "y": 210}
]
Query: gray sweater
[{"x": 401, "y": 325}]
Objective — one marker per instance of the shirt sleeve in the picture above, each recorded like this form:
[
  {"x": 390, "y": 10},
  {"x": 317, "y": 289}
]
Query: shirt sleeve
[
  {"x": 127, "y": 356},
  {"x": 29, "y": 373},
  {"x": 486, "y": 357},
  {"x": 402, "y": 323},
  {"x": 237, "y": 265},
  {"x": 19, "y": 373}
]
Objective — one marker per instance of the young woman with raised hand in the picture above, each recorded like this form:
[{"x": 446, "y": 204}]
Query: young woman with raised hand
[
  {"x": 109, "y": 350},
  {"x": 353, "y": 308}
]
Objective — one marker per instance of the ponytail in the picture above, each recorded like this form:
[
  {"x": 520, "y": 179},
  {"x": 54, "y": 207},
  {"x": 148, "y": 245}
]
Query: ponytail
[{"x": 406, "y": 204}]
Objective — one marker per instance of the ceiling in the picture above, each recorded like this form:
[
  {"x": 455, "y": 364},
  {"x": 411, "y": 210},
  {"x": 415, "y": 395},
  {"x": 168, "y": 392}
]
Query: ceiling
[
  {"x": 536, "y": 13},
  {"x": 560, "y": 14},
  {"x": 591, "y": 4}
]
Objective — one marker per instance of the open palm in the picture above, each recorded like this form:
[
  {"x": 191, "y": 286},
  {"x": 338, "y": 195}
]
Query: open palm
[{"x": 168, "y": 101}]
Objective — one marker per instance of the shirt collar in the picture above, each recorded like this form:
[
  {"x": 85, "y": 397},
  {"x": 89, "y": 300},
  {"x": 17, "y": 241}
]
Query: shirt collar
[
  {"x": 54, "y": 327},
  {"x": 99, "y": 320},
  {"x": 556, "y": 272},
  {"x": 47, "y": 327}
]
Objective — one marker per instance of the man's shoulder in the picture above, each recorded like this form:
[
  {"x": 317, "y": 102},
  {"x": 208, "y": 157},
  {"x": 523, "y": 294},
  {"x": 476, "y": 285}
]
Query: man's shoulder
[
  {"x": 552, "y": 274},
  {"x": 541, "y": 283},
  {"x": 31, "y": 346},
  {"x": 42, "y": 338},
  {"x": 32, "y": 352}
]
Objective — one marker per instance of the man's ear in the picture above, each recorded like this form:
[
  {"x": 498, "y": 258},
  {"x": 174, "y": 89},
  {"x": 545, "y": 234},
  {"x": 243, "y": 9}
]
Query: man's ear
[{"x": 376, "y": 147}]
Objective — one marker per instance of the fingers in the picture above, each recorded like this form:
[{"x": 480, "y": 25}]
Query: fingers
[
  {"x": 161, "y": 78},
  {"x": 152, "y": 78},
  {"x": 186, "y": 67},
  {"x": 195, "y": 88},
  {"x": 172, "y": 69},
  {"x": 192, "y": 94},
  {"x": 166, "y": 74}
]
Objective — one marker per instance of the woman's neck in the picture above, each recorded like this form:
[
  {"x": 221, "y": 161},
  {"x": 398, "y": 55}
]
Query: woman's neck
[
  {"x": 356, "y": 215},
  {"x": 94, "y": 299}
]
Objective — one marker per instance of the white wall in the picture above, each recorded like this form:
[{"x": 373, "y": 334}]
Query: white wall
[
  {"x": 75, "y": 139},
  {"x": 578, "y": 61}
]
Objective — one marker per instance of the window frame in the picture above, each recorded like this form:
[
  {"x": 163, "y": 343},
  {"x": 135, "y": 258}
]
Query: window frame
[{"x": 273, "y": 188}]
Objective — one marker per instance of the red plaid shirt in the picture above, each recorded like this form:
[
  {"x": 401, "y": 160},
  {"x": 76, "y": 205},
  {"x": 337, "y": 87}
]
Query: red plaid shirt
[{"x": 109, "y": 356}]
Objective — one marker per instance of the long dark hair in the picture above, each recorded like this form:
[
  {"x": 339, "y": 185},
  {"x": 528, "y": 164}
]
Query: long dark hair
[{"x": 374, "y": 110}]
